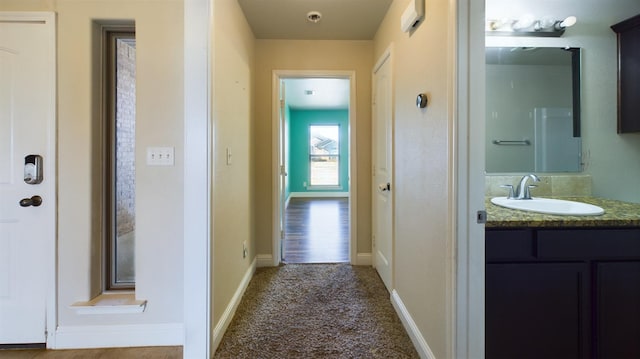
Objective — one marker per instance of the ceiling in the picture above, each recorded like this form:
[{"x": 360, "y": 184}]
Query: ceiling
[
  {"x": 327, "y": 94},
  {"x": 341, "y": 19}
]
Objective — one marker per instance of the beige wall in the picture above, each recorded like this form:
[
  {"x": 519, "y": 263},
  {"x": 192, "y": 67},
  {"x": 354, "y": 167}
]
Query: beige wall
[
  {"x": 159, "y": 263},
  {"x": 311, "y": 55},
  {"x": 423, "y": 168},
  {"x": 232, "y": 98},
  {"x": 27, "y": 5}
]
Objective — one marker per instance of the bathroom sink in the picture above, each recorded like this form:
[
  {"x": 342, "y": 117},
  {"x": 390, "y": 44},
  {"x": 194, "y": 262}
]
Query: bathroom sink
[{"x": 549, "y": 206}]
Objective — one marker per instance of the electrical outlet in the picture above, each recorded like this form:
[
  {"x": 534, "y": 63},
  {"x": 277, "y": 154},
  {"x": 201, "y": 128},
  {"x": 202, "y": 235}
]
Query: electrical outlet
[
  {"x": 245, "y": 249},
  {"x": 304, "y": 184},
  {"x": 160, "y": 156}
]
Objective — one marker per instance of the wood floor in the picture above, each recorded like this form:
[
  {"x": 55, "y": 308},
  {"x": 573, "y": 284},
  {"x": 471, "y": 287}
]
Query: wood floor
[
  {"x": 316, "y": 230},
  {"x": 111, "y": 353}
]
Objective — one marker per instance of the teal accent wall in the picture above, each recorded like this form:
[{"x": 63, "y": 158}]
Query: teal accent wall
[{"x": 298, "y": 161}]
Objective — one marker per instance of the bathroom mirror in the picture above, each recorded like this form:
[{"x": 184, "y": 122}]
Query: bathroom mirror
[{"x": 533, "y": 110}]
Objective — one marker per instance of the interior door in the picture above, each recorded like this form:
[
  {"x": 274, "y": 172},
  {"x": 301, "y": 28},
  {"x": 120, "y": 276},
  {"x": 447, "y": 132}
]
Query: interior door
[
  {"x": 383, "y": 170},
  {"x": 27, "y": 127}
]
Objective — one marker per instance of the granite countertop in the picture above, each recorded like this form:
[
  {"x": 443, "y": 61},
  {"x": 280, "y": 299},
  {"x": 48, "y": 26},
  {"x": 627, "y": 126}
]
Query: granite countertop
[{"x": 616, "y": 214}]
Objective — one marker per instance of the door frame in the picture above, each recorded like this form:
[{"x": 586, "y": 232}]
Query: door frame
[
  {"x": 198, "y": 185},
  {"x": 277, "y": 76},
  {"x": 48, "y": 20},
  {"x": 468, "y": 93}
]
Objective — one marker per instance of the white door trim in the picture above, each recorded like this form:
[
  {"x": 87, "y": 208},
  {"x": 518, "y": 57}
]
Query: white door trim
[
  {"x": 385, "y": 55},
  {"x": 468, "y": 21},
  {"x": 275, "y": 147},
  {"x": 49, "y": 21},
  {"x": 198, "y": 183}
]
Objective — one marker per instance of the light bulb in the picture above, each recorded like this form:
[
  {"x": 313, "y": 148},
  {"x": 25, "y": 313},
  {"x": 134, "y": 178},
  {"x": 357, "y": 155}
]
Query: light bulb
[
  {"x": 524, "y": 22},
  {"x": 569, "y": 21},
  {"x": 545, "y": 23}
]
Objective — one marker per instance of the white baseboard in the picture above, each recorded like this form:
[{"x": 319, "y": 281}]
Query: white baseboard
[
  {"x": 319, "y": 194},
  {"x": 412, "y": 329},
  {"x": 264, "y": 260},
  {"x": 117, "y": 336},
  {"x": 364, "y": 259},
  {"x": 230, "y": 311}
]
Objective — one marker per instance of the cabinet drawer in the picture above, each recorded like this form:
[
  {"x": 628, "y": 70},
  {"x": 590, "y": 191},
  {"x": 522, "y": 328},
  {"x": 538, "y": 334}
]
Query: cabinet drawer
[
  {"x": 509, "y": 245},
  {"x": 589, "y": 244}
]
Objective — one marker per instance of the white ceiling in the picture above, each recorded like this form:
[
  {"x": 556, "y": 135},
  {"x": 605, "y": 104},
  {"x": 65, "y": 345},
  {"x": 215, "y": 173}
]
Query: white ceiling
[
  {"x": 341, "y": 19},
  {"x": 327, "y": 93}
]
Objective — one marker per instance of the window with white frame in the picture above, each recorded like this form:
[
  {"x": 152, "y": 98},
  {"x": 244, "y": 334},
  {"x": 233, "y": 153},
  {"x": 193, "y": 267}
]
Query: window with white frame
[{"x": 324, "y": 155}]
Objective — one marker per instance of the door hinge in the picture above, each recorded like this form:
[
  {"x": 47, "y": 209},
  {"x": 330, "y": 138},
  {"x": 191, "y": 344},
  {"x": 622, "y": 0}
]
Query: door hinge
[
  {"x": 283, "y": 171},
  {"x": 281, "y": 103},
  {"x": 281, "y": 234},
  {"x": 481, "y": 217}
]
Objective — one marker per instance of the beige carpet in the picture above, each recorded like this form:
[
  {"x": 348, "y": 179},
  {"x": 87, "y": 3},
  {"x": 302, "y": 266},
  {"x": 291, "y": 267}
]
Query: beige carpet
[{"x": 316, "y": 311}]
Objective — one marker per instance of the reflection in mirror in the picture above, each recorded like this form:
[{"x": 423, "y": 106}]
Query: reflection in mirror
[{"x": 533, "y": 109}]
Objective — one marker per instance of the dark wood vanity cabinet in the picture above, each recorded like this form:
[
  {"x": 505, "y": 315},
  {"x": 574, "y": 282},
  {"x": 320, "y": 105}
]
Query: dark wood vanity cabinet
[
  {"x": 562, "y": 293},
  {"x": 628, "y": 33},
  {"x": 617, "y": 309}
]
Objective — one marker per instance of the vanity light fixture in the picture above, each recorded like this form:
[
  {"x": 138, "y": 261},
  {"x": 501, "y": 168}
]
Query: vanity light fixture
[{"x": 527, "y": 25}]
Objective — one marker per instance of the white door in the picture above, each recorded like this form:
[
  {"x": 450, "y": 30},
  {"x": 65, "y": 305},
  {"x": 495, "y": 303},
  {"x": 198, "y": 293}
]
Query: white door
[
  {"x": 27, "y": 127},
  {"x": 383, "y": 170}
]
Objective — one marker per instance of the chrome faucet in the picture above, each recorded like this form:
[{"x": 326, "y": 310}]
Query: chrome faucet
[{"x": 523, "y": 190}]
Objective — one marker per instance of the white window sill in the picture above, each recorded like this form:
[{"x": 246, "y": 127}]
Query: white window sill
[
  {"x": 324, "y": 188},
  {"x": 111, "y": 303}
]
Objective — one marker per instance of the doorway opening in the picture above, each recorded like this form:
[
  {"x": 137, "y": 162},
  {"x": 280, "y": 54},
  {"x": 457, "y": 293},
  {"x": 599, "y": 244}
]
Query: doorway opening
[{"x": 314, "y": 163}]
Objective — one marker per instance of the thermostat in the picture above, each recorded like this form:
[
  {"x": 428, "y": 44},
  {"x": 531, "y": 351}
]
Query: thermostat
[{"x": 421, "y": 100}]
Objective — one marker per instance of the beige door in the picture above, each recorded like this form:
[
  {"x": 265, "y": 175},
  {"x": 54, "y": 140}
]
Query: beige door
[
  {"x": 383, "y": 170},
  {"x": 27, "y": 127}
]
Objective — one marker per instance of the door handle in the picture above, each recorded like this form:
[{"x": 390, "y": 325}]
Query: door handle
[
  {"x": 384, "y": 187},
  {"x": 35, "y": 201}
]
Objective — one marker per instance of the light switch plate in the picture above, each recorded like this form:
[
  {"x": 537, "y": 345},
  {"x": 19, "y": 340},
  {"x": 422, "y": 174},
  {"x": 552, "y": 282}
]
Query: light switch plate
[{"x": 160, "y": 156}]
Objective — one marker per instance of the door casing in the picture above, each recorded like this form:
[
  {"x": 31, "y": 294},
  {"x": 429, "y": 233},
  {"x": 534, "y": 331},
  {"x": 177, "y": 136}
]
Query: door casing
[{"x": 277, "y": 76}]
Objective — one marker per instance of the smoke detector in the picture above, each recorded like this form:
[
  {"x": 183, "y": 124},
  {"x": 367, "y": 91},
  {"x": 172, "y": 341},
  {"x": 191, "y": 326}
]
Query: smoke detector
[{"x": 314, "y": 16}]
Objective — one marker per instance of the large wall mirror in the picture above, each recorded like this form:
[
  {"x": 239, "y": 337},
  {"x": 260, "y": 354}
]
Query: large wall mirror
[{"x": 533, "y": 110}]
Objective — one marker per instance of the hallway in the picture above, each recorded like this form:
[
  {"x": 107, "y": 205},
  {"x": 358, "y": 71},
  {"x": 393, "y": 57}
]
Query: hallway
[
  {"x": 316, "y": 230},
  {"x": 316, "y": 311}
]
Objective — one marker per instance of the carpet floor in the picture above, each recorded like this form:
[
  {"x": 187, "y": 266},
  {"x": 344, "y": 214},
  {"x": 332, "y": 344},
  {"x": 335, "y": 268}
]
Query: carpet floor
[{"x": 316, "y": 311}]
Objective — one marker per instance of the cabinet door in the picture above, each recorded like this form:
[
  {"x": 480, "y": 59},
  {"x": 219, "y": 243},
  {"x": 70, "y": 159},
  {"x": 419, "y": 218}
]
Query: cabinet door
[
  {"x": 537, "y": 310},
  {"x": 618, "y": 309},
  {"x": 628, "y": 74}
]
